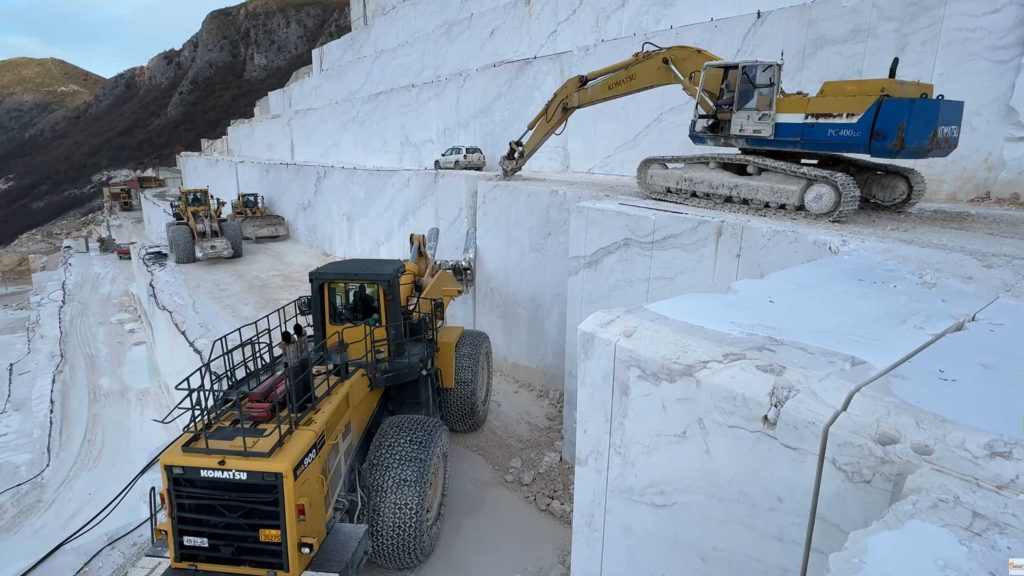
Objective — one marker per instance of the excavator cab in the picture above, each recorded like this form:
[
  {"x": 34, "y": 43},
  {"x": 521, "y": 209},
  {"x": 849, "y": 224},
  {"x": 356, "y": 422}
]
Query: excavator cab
[{"x": 737, "y": 99}]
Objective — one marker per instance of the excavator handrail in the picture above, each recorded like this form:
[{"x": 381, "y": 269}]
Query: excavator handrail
[{"x": 647, "y": 69}]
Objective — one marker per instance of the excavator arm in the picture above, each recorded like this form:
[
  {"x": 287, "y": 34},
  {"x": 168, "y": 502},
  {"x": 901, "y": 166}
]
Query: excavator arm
[{"x": 645, "y": 70}]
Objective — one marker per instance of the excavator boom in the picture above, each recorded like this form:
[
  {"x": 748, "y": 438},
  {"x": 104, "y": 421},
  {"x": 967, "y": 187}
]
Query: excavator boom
[{"x": 645, "y": 70}]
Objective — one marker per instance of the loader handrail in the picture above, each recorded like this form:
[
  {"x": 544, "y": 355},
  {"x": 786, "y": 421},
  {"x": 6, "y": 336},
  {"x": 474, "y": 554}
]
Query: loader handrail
[
  {"x": 645, "y": 70},
  {"x": 215, "y": 401}
]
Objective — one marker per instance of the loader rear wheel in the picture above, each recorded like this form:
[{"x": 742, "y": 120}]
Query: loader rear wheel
[
  {"x": 407, "y": 484},
  {"x": 182, "y": 244},
  {"x": 464, "y": 407},
  {"x": 233, "y": 232}
]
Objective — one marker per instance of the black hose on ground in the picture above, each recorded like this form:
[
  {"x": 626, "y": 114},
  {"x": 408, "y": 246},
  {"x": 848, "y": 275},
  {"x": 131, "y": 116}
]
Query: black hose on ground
[
  {"x": 66, "y": 265},
  {"x": 93, "y": 522}
]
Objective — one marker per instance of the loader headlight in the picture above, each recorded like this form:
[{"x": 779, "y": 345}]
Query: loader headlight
[
  {"x": 177, "y": 470},
  {"x": 305, "y": 548}
]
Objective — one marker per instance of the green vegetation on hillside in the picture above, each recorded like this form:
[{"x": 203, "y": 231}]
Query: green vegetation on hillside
[{"x": 49, "y": 78}]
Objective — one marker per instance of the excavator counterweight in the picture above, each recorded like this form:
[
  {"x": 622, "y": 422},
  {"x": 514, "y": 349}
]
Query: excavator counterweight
[{"x": 791, "y": 144}]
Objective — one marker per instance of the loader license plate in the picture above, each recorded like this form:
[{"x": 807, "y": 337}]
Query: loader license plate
[
  {"x": 195, "y": 541},
  {"x": 270, "y": 535}
]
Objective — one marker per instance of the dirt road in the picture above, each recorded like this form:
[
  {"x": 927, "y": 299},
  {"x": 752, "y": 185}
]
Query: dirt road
[{"x": 105, "y": 394}]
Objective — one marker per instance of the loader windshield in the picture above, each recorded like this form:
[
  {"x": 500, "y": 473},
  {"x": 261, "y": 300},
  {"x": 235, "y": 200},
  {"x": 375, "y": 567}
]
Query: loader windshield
[
  {"x": 355, "y": 302},
  {"x": 197, "y": 199}
]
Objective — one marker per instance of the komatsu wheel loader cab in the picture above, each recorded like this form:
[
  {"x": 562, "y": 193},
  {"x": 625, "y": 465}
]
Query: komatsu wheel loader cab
[{"x": 339, "y": 455}]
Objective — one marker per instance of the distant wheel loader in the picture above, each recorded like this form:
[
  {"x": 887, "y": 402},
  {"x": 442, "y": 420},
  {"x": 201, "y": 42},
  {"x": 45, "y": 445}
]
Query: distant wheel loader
[
  {"x": 120, "y": 195},
  {"x": 198, "y": 231},
  {"x": 343, "y": 455},
  {"x": 250, "y": 211}
]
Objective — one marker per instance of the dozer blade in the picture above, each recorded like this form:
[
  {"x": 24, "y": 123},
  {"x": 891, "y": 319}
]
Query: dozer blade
[{"x": 265, "y": 227}]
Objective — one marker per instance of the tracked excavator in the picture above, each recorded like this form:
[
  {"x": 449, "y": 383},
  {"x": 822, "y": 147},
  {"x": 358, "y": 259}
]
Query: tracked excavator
[{"x": 791, "y": 144}]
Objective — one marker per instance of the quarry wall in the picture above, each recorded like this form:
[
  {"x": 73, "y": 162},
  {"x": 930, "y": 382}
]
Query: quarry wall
[{"x": 494, "y": 63}]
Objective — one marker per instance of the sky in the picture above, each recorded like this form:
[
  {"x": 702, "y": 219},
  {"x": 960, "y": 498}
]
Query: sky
[{"x": 103, "y": 36}]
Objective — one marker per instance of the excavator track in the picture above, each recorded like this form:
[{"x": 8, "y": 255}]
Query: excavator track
[
  {"x": 918, "y": 187},
  {"x": 849, "y": 191}
]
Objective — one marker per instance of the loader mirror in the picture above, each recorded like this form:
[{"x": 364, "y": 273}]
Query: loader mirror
[{"x": 304, "y": 304}]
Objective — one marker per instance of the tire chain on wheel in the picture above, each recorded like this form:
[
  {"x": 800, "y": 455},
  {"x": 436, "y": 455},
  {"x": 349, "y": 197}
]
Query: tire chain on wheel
[
  {"x": 181, "y": 244},
  {"x": 399, "y": 467},
  {"x": 848, "y": 189},
  {"x": 233, "y": 232},
  {"x": 462, "y": 409}
]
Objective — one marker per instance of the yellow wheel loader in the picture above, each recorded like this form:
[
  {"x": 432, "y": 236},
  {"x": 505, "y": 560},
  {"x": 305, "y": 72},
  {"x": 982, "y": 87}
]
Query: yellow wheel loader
[
  {"x": 321, "y": 457},
  {"x": 790, "y": 143},
  {"x": 199, "y": 231},
  {"x": 120, "y": 196},
  {"x": 250, "y": 211}
]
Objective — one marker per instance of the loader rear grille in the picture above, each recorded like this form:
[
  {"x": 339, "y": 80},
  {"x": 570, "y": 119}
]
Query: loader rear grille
[{"x": 217, "y": 517}]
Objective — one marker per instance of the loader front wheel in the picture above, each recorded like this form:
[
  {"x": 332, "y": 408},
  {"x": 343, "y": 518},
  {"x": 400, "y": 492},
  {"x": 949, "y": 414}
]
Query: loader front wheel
[
  {"x": 233, "y": 232},
  {"x": 182, "y": 244},
  {"x": 407, "y": 485},
  {"x": 464, "y": 406}
]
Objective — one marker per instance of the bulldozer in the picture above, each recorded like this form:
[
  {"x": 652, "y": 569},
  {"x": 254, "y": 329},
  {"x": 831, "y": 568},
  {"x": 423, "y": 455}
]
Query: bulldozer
[
  {"x": 250, "y": 211},
  {"x": 334, "y": 453},
  {"x": 199, "y": 231},
  {"x": 791, "y": 145}
]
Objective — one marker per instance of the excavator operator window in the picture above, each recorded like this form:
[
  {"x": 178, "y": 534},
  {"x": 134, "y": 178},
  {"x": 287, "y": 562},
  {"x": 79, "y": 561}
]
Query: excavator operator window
[
  {"x": 757, "y": 87},
  {"x": 355, "y": 303}
]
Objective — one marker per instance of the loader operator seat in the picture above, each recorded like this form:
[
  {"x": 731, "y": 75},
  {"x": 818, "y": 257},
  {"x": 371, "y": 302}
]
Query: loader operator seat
[
  {"x": 249, "y": 202},
  {"x": 364, "y": 306},
  {"x": 196, "y": 199}
]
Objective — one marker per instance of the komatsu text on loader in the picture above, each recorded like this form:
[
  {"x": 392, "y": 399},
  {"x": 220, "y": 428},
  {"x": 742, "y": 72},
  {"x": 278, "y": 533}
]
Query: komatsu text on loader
[
  {"x": 250, "y": 211},
  {"x": 340, "y": 456},
  {"x": 789, "y": 142},
  {"x": 199, "y": 231}
]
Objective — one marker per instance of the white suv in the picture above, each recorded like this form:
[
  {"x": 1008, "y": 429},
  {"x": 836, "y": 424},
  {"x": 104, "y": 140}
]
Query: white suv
[{"x": 461, "y": 158}]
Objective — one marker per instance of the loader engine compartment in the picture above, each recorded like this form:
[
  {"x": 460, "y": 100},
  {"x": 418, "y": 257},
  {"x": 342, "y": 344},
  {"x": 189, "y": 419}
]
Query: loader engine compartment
[{"x": 227, "y": 517}]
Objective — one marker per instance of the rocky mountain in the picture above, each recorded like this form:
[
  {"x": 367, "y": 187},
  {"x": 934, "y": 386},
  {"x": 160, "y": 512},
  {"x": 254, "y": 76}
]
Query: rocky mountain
[
  {"x": 144, "y": 115},
  {"x": 38, "y": 91}
]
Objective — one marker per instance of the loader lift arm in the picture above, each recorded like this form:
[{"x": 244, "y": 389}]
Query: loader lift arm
[{"x": 645, "y": 70}]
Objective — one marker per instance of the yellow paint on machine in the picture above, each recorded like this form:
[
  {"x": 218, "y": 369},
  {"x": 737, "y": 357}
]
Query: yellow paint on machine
[
  {"x": 848, "y": 97},
  {"x": 352, "y": 404}
]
